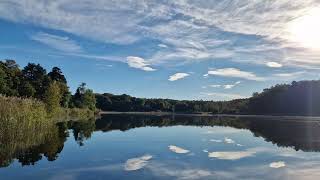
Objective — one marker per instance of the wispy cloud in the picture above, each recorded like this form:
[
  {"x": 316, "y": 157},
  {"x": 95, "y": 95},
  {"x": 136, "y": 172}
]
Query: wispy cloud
[
  {"x": 178, "y": 76},
  {"x": 173, "y": 172},
  {"x": 235, "y": 73},
  {"x": 187, "y": 31},
  {"x": 178, "y": 150},
  {"x": 227, "y": 96},
  {"x": 137, "y": 163},
  {"x": 274, "y": 64},
  {"x": 139, "y": 63},
  {"x": 230, "y": 86},
  {"x": 162, "y": 45},
  {"x": 225, "y": 86},
  {"x": 194, "y": 30},
  {"x": 231, "y": 155},
  {"x": 61, "y": 43},
  {"x": 278, "y": 164},
  {"x": 289, "y": 75},
  {"x": 215, "y": 85}
]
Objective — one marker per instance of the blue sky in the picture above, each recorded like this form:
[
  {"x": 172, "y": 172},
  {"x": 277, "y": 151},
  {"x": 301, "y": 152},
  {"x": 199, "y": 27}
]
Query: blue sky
[{"x": 211, "y": 50}]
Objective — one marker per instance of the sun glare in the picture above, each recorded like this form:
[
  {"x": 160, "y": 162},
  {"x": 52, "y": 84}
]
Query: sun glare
[{"x": 305, "y": 30}]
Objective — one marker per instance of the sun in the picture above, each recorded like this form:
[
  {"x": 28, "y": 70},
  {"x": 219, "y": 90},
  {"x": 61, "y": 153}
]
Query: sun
[{"x": 305, "y": 30}]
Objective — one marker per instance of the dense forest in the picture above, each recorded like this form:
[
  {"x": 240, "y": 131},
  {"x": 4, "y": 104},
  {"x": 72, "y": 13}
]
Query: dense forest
[
  {"x": 123, "y": 103},
  {"x": 297, "y": 98},
  {"x": 33, "y": 82}
]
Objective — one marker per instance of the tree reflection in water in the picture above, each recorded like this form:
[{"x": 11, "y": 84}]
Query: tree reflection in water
[{"x": 32, "y": 141}]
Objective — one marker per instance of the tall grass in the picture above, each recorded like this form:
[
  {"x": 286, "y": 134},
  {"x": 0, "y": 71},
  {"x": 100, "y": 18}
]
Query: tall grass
[
  {"x": 20, "y": 109},
  {"x": 15, "y": 109}
]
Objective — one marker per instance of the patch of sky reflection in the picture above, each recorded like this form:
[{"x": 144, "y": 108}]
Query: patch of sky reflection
[{"x": 172, "y": 152}]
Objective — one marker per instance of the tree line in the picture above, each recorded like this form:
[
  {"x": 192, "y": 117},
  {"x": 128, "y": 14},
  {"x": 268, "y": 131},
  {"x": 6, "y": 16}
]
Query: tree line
[
  {"x": 297, "y": 98},
  {"x": 124, "y": 103},
  {"x": 33, "y": 81}
]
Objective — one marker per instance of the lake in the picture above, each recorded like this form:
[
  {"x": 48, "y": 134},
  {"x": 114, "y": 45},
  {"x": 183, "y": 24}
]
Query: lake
[{"x": 163, "y": 147}]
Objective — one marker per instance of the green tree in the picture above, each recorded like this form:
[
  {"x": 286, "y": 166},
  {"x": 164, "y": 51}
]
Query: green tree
[
  {"x": 26, "y": 89},
  {"x": 84, "y": 98},
  {"x": 36, "y": 75},
  {"x": 53, "y": 97},
  {"x": 89, "y": 99},
  {"x": 10, "y": 77},
  {"x": 56, "y": 75},
  {"x": 3, "y": 82}
]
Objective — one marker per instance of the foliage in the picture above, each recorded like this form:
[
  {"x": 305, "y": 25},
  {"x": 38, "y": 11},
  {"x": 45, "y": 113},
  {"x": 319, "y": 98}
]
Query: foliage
[
  {"x": 122, "y": 103},
  {"x": 84, "y": 98},
  {"x": 19, "y": 109},
  {"x": 33, "y": 81},
  {"x": 36, "y": 75},
  {"x": 53, "y": 97},
  {"x": 298, "y": 98}
]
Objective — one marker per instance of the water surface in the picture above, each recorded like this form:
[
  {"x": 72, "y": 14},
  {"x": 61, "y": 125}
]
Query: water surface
[{"x": 163, "y": 147}]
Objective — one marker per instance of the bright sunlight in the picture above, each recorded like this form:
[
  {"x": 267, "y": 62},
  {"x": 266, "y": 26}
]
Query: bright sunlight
[{"x": 305, "y": 30}]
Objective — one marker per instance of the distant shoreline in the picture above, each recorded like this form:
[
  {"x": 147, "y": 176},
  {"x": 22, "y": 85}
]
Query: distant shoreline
[{"x": 209, "y": 115}]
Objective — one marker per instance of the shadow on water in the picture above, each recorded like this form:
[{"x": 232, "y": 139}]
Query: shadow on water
[{"x": 30, "y": 142}]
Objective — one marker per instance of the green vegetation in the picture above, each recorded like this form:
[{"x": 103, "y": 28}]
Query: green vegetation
[
  {"x": 298, "y": 98},
  {"x": 32, "y": 93},
  {"x": 19, "y": 109},
  {"x": 122, "y": 103},
  {"x": 30, "y": 141}
]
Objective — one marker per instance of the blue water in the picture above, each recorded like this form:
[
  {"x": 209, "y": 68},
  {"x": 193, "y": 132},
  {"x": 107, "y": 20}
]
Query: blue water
[{"x": 137, "y": 147}]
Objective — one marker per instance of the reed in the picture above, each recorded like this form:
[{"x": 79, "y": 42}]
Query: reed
[
  {"x": 22, "y": 109},
  {"x": 15, "y": 109}
]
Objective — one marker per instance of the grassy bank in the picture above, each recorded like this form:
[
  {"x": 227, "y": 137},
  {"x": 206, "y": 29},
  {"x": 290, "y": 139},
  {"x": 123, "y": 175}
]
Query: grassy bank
[{"x": 32, "y": 110}]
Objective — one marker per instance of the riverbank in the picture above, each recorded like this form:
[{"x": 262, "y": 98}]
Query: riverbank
[{"x": 283, "y": 117}]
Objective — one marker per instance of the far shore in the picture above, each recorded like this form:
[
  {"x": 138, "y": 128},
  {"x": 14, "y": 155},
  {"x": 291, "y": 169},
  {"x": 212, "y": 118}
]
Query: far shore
[{"x": 283, "y": 117}]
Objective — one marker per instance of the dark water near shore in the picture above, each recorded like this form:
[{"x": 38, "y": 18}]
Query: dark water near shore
[{"x": 162, "y": 147}]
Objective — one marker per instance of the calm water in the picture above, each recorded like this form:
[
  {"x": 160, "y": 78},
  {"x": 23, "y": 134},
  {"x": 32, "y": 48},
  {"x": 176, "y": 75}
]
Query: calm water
[{"x": 151, "y": 147}]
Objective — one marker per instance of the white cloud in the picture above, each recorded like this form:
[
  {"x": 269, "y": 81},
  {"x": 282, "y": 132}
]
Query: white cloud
[
  {"x": 231, "y": 155},
  {"x": 215, "y": 85},
  {"x": 236, "y": 73},
  {"x": 137, "y": 163},
  {"x": 61, "y": 43},
  {"x": 194, "y": 30},
  {"x": 178, "y": 76},
  {"x": 274, "y": 64},
  {"x": 228, "y": 140},
  {"x": 278, "y": 164},
  {"x": 178, "y": 150},
  {"x": 289, "y": 75},
  {"x": 139, "y": 63},
  {"x": 173, "y": 172},
  {"x": 216, "y": 140},
  {"x": 162, "y": 45},
  {"x": 226, "y": 86},
  {"x": 226, "y": 96}
]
